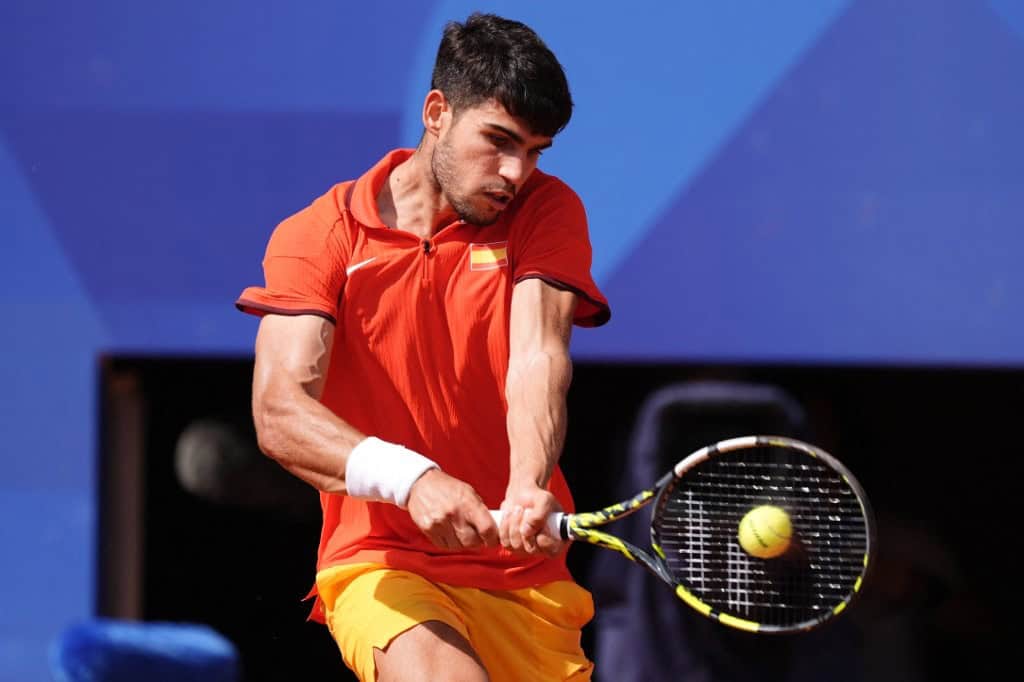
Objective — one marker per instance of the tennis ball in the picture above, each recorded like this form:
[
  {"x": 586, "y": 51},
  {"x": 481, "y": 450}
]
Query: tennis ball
[{"x": 765, "y": 531}]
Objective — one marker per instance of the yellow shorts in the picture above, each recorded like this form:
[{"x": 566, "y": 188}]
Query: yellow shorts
[{"x": 529, "y": 634}]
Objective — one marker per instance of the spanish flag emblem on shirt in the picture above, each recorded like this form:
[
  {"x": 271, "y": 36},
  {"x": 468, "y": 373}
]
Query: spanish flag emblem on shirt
[{"x": 488, "y": 256}]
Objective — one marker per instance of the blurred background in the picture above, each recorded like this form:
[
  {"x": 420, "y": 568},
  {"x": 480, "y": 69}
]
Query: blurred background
[{"x": 823, "y": 197}]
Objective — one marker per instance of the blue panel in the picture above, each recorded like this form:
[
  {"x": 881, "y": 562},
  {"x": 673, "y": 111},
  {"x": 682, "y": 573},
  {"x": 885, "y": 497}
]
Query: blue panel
[
  {"x": 1012, "y": 12},
  {"x": 868, "y": 211},
  {"x": 315, "y": 55},
  {"x": 48, "y": 421},
  {"x": 175, "y": 209},
  {"x": 51, "y": 583}
]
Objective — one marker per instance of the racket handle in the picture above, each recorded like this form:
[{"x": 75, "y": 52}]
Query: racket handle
[{"x": 553, "y": 525}]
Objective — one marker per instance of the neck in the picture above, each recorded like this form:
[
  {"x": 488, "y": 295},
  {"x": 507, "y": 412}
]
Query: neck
[{"x": 411, "y": 201}]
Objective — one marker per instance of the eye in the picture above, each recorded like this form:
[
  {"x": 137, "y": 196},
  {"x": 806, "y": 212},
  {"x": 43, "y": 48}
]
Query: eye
[{"x": 498, "y": 141}]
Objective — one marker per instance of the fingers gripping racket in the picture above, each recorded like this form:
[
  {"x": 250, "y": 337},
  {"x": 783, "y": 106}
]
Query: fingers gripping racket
[{"x": 797, "y": 561}]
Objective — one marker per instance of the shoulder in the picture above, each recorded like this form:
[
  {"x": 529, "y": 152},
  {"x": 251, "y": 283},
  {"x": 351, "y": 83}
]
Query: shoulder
[
  {"x": 548, "y": 189},
  {"x": 312, "y": 227},
  {"x": 545, "y": 200}
]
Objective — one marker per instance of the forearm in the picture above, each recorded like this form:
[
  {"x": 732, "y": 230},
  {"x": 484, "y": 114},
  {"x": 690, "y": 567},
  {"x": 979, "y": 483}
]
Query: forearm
[
  {"x": 306, "y": 438},
  {"x": 536, "y": 391}
]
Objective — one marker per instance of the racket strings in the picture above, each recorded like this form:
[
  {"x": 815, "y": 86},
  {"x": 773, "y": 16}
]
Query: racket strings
[{"x": 696, "y": 526}]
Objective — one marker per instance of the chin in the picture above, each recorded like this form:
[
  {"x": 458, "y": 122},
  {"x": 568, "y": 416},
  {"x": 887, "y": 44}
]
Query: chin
[{"x": 480, "y": 218}]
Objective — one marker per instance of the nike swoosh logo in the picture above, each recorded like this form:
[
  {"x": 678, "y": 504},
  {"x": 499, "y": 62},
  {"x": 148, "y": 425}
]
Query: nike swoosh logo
[{"x": 355, "y": 266}]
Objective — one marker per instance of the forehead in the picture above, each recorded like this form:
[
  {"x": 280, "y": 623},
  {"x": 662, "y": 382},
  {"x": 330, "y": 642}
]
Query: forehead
[{"x": 493, "y": 114}]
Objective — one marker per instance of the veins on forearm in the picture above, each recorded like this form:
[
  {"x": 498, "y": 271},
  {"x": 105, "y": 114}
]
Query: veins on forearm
[{"x": 537, "y": 415}]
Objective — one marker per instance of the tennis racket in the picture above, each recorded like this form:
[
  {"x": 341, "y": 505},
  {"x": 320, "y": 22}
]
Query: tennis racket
[{"x": 697, "y": 510}]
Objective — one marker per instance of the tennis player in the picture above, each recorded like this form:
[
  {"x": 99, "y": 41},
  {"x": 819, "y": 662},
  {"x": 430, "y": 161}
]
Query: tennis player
[{"x": 412, "y": 364}]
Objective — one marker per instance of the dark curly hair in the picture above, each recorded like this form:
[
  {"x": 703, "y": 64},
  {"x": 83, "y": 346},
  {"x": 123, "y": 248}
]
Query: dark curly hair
[{"x": 492, "y": 57}]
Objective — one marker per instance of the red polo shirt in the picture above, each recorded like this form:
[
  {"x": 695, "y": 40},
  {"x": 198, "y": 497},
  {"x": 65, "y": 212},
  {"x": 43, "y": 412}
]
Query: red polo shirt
[{"x": 421, "y": 350}]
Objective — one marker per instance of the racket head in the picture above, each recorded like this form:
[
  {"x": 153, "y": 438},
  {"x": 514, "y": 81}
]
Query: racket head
[{"x": 694, "y": 529}]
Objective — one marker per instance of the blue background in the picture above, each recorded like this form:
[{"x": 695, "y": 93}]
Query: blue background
[{"x": 830, "y": 182}]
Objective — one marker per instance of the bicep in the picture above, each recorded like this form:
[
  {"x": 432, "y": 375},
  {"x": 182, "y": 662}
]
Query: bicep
[
  {"x": 292, "y": 350},
  {"x": 541, "y": 319}
]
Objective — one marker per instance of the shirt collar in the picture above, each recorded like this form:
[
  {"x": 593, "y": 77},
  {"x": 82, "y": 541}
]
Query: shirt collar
[{"x": 364, "y": 195}]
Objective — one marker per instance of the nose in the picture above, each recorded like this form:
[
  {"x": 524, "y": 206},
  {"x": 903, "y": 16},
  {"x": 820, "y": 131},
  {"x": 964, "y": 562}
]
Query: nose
[{"x": 514, "y": 169}]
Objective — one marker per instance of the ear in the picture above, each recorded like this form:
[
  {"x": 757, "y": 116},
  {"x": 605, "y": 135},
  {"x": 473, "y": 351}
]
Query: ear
[{"x": 435, "y": 111}]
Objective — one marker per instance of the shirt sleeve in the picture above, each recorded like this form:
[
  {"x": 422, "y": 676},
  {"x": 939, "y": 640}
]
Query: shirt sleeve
[
  {"x": 304, "y": 264},
  {"x": 554, "y": 245}
]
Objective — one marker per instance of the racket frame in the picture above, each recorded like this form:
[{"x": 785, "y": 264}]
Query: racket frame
[{"x": 585, "y": 527}]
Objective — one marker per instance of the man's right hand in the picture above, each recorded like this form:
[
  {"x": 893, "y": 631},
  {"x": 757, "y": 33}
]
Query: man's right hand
[{"x": 450, "y": 512}]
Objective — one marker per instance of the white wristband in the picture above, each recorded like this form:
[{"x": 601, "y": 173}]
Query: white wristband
[{"x": 384, "y": 472}]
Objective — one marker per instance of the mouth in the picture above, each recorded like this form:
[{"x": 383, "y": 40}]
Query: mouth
[{"x": 498, "y": 199}]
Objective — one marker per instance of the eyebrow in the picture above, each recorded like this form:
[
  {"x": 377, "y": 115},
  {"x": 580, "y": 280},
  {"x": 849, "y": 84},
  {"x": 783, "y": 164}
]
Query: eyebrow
[{"x": 516, "y": 136}]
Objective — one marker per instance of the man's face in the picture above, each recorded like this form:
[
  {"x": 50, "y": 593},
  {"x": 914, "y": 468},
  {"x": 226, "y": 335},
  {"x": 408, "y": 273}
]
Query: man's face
[{"x": 481, "y": 160}]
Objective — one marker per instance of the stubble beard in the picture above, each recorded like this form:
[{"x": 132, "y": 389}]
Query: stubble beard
[{"x": 442, "y": 167}]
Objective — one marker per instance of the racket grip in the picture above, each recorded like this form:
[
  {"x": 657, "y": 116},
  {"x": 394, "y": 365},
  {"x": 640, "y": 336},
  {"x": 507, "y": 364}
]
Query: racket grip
[{"x": 553, "y": 525}]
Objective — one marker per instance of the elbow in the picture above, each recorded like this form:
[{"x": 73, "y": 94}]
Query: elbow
[
  {"x": 559, "y": 372},
  {"x": 558, "y": 364},
  {"x": 565, "y": 371},
  {"x": 270, "y": 424},
  {"x": 553, "y": 367}
]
